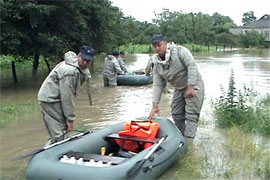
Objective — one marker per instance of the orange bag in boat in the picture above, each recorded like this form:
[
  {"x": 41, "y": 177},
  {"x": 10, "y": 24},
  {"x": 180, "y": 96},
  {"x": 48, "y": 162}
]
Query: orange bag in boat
[{"x": 144, "y": 129}]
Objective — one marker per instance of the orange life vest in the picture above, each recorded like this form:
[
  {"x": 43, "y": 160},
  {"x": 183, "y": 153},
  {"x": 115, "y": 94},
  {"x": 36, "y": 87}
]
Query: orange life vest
[{"x": 147, "y": 129}]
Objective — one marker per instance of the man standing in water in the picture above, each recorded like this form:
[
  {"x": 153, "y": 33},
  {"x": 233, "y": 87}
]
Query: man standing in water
[
  {"x": 175, "y": 64},
  {"x": 56, "y": 95},
  {"x": 111, "y": 69},
  {"x": 122, "y": 60},
  {"x": 149, "y": 67}
]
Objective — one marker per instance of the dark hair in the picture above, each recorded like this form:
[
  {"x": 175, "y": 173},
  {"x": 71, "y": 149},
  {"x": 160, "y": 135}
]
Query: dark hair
[{"x": 115, "y": 53}]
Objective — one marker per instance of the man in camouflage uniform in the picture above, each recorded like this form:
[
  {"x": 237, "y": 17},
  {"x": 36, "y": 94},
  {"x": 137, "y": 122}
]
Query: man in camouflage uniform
[
  {"x": 111, "y": 69},
  {"x": 149, "y": 67},
  {"x": 121, "y": 60},
  {"x": 175, "y": 64},
  {"x": 56, "y": 95}
]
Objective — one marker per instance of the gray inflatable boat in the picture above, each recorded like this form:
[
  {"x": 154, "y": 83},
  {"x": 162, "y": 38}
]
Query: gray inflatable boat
[
  {"x": 81, "y": 158},
  {"x": 134, "y": 80}
]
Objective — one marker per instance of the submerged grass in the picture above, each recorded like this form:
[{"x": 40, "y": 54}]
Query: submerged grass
[
  {"x": 189, "y": 167},
  {"x": 12, "y": 113},
  {"x": 249, "y": 160},
  {"x": 238, "y": 157},
  {"x": 16, "y": 172}
]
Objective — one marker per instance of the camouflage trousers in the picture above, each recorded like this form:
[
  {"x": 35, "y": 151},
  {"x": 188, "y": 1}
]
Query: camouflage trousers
[
  {"x": 186, "y": 111},
  {"x": 109, "y": 81},
  {"x": 54, "y": 121}
]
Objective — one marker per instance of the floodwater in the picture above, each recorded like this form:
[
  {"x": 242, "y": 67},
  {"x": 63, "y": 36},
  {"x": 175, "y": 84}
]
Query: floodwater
[{"x": 113, "y": 105}]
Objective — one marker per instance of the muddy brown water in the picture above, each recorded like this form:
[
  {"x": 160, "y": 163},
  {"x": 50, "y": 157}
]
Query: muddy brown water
[{"x": 113, "y": 105}]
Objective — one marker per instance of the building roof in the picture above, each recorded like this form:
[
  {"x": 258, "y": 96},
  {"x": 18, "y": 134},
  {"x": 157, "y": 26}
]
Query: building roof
[
  {"x": 235, "y": 31},
  {"x": 263, "y": 22}
]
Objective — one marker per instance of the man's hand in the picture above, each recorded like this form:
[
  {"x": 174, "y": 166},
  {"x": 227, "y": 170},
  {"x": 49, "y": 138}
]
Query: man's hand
[
  {"x": 153, "y": 112},
  {"x": 70, "y": 126},
  {"x": 190, "y": 92}
]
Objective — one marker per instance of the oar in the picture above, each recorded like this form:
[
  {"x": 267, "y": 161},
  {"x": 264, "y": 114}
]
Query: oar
[
  {"x": 89, "y": 92},
  {"x": 52, "y": 145},
  {"x": 134, "y": 170}
]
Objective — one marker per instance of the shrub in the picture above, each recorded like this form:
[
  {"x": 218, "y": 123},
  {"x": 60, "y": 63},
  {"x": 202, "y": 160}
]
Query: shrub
[
  {"x": 234, "y": 109},
  {"x": 21, "y": 62},
  {"x": 137, "y": 48}
]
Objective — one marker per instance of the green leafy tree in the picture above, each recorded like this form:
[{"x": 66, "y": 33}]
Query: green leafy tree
[
  {"x": 225, "y": 39},
  {"x": 23, "y": 32},
  {"x": 248, "y": 17},
  {"x": 251, "y": 39},
  {"x": 176, "y": 26},
  {"x": 220, "y": 20},
  {"x": 204, "y": 35},
  {"x": 195, "y": 28},
  {"x": 49, "y": 28}
]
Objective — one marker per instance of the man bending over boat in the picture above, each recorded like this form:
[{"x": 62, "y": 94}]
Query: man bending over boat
[
  {"x": 175, "y": 64},
  {"x": 56, "y": 95}
]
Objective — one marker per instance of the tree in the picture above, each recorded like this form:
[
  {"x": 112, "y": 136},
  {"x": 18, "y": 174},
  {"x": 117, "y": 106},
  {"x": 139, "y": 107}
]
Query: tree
[
  {"x": 248, "y": 17},
  {"x": 225, "y": 39},
  {"x": 220, "y": 20},
  {"x": 204, "y": 34},
  {"x": 138, "y": 32},
  {"x": 176, "y": 26},
  {"x": 23, "y": 26},
  {"x": 49, "y": 28},
  {"x": 251, "y": 39}
]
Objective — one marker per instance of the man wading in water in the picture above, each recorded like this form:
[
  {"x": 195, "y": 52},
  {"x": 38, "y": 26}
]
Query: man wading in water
[
  {"x": 175, "y": 64},
  {"x": 111, "y": 69}
]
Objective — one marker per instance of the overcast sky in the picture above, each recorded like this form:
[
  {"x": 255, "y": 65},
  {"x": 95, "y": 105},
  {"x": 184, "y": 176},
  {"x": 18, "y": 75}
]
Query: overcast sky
[{"x": 143, "y": 10}]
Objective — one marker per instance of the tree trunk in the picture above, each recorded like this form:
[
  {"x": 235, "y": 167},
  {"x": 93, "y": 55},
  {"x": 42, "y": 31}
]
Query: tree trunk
[
  {"x": 92, "y": 65},
  {"x": 14, "y": 75},
  {"x": 47, "y": 64},
  {"x": 133, "y": 50},
  {"x": 35, "y": 65},
  {"x": 194, "y": 29}
]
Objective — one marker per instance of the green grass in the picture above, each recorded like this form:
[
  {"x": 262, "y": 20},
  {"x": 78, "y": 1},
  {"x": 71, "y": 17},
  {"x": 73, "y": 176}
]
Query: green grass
[
  {"x": 189, "y": 167},
  {"x": 147, "y": 48},
  {"x": 241, "y": 158},
  {"x": 14, "y": 172},
  {"x": 241, "y": 114},
  {"x": 249, "y": 160},
  {"x": 12, "y": 113}
]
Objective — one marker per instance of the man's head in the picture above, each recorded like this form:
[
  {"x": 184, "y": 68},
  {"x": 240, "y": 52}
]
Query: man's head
[
  {"x": 115, "y": 53},
  {"x": 85, "y": 56},
  {"x": 122, "y": 54},
  {"x": 159, "y": 44}
]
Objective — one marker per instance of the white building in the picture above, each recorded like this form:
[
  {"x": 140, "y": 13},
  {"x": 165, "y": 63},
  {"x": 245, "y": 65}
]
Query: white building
[{"x": 261, "y": 25}]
